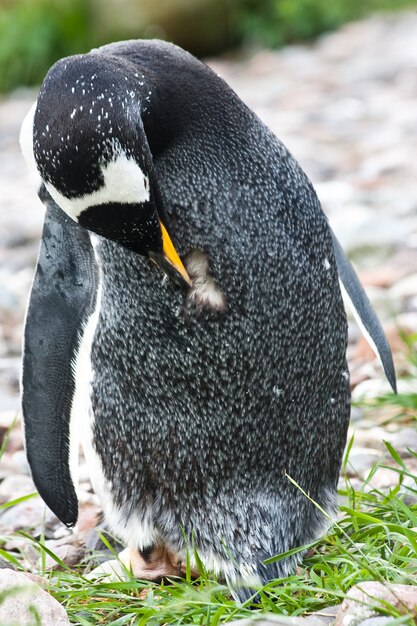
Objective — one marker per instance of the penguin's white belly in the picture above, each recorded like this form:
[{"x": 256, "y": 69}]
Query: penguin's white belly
[{"x": 131, "y": 528}]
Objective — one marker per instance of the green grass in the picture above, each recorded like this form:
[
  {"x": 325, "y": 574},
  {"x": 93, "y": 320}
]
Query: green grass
[
  {"x": 279, "y": 22},
  {"x": 36, "y": 33},
  {"x": 375, "y": 539}
]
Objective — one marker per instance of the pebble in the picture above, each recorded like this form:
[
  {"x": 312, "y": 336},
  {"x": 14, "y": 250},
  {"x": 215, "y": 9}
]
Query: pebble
[
  {"x": 384, "y": 479},
  {"x": 15, "y": 440},
  {"x": 374, "y": 388},
  {"x": 15, "y": 486},
  {"x": 404, "y": 288},
  {"x": 356, "y": 414},
  {"x": 405, "y": 440},
  {"x": 32, "y": 514},
  {"x": 10, "y": 464},
  {"x": 88, "y": 519},
  {"x": 361, "y": 460},
  {"x": 324, "y": 618},
  {"x": 327, "y": 616},
  {"x": 363, "y": 231},
  {"x": 15, "y": 608},
  {"x": 408, "y": 491},
  {"x": 19, "y": 458},
  {"x": 369, "y": 598},
  {"x": 69, "y": 554},
  {"x": 8, "y": 418},
  {"x": 372, "y": 437},
  {"x": 381, "y": 620},
  {"x": 98, "y": 550},
  {"x": 108, "y": 571}
]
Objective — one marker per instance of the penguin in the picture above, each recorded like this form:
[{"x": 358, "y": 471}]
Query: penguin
[{"x": 185, "y": 322}]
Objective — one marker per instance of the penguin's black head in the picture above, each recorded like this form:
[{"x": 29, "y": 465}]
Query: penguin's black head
[{"x": 91, "y": 151}]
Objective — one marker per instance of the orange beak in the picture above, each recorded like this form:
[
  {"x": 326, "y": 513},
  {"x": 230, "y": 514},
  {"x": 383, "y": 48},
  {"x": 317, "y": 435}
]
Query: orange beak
[{"x": 172, "y": 257}]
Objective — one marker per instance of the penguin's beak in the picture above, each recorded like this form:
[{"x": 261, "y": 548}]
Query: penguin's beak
[{"x": 169, "y": 261}]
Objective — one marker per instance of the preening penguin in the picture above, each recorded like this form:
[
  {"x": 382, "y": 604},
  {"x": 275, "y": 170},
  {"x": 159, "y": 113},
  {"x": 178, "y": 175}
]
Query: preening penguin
[{"x": 196, "y": 395}]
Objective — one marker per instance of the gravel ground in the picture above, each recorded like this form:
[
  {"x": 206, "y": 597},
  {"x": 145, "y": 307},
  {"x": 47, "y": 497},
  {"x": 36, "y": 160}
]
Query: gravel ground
[{"x": 346, "y": 108}]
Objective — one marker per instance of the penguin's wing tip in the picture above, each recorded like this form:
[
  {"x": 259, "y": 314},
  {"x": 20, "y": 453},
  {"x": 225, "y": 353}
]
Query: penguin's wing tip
[
  {"x": 60, "y": 303},
  {"x": 364, "y": 313},
  {"x": 392, "y": 379}
]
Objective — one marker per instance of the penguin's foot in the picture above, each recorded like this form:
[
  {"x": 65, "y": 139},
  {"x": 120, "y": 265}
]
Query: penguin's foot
[{"x": 154, "y": 563}]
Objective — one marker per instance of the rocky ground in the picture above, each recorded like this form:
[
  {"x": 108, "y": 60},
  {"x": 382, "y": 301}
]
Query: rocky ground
[{"x": 346, "y": 107}]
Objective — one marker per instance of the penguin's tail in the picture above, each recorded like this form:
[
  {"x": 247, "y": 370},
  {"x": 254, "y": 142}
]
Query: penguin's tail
[{"x": 364, "y": 313}]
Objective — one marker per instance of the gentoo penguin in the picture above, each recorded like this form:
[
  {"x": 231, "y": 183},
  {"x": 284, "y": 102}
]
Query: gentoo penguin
[{"x": 185, "y": 318}]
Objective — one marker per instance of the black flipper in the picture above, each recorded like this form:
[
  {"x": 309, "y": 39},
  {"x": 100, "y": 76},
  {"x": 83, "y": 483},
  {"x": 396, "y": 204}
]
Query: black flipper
[
  {"x": 365, "y": 313},
  {"x": 62, "y": 297}
]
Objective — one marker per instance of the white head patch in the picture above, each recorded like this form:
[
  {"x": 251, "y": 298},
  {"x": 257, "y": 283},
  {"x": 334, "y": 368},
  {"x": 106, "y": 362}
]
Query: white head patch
[{"x": 124, "y": 183}]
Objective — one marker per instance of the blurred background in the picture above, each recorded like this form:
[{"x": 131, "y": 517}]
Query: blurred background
[
  {"x": 35, "y": 33},
  {"x": 335, "y": 80}
]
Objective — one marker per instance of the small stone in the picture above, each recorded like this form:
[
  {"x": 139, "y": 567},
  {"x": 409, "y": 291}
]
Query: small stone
[
  {"x": 21, "y": 461},
  {"x": 69, "y": 554},
  {"x": 405, "y": 287},
  {"x": 361, "y": 460},
  {"x": 32, "y": 514},
  {"x": 14, "y": 487},
  {"x": 356, "y": 414},
  {"x": 15, "y": 608},
  {"x": 28, "y": 554},
  {"x": 326, "y": 616},
  {"x": 7, "y": 419},
  {"x": 85, "y": 495},
  {"x": 8, "y": 465},
  {"x": 383, "y": 276},
  {"x": 408, "y": 490},
  {"x": 354, "y": 332},
  {"x": 363, "y": 351},
  {"x": 356, "y": 376},
  {"x": 100, "y": 553},
  {"x": 379, "y": 387},
  {"x": 109, "y": 571},
  {"x": 281, "y": 620},
  {"x": 88, "y": 519},
  {"x": 23, "y": 515},
  {"x": 404, "y": 440},
  {"x": 39, "y": 580},
  {"x": 381, "y": 620},
  {"x": 384, "y": 479},
  {"x": 15, "y": 440},
  {"x": 365, "y": 229},
  {"x": 367, "y": 599},
  {"x": 368, "y": 438}
]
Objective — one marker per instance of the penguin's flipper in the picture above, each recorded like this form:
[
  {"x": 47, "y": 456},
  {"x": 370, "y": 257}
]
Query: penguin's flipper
[
  {"x": 364, "y": 312},
  {"x": 63, "y": 292}
]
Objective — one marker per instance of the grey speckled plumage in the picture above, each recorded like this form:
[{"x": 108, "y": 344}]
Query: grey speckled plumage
[{"x": 198, "y": 417}]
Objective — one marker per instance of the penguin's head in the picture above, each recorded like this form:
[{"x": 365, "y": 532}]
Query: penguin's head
[{"x": 91, "y": 151}]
